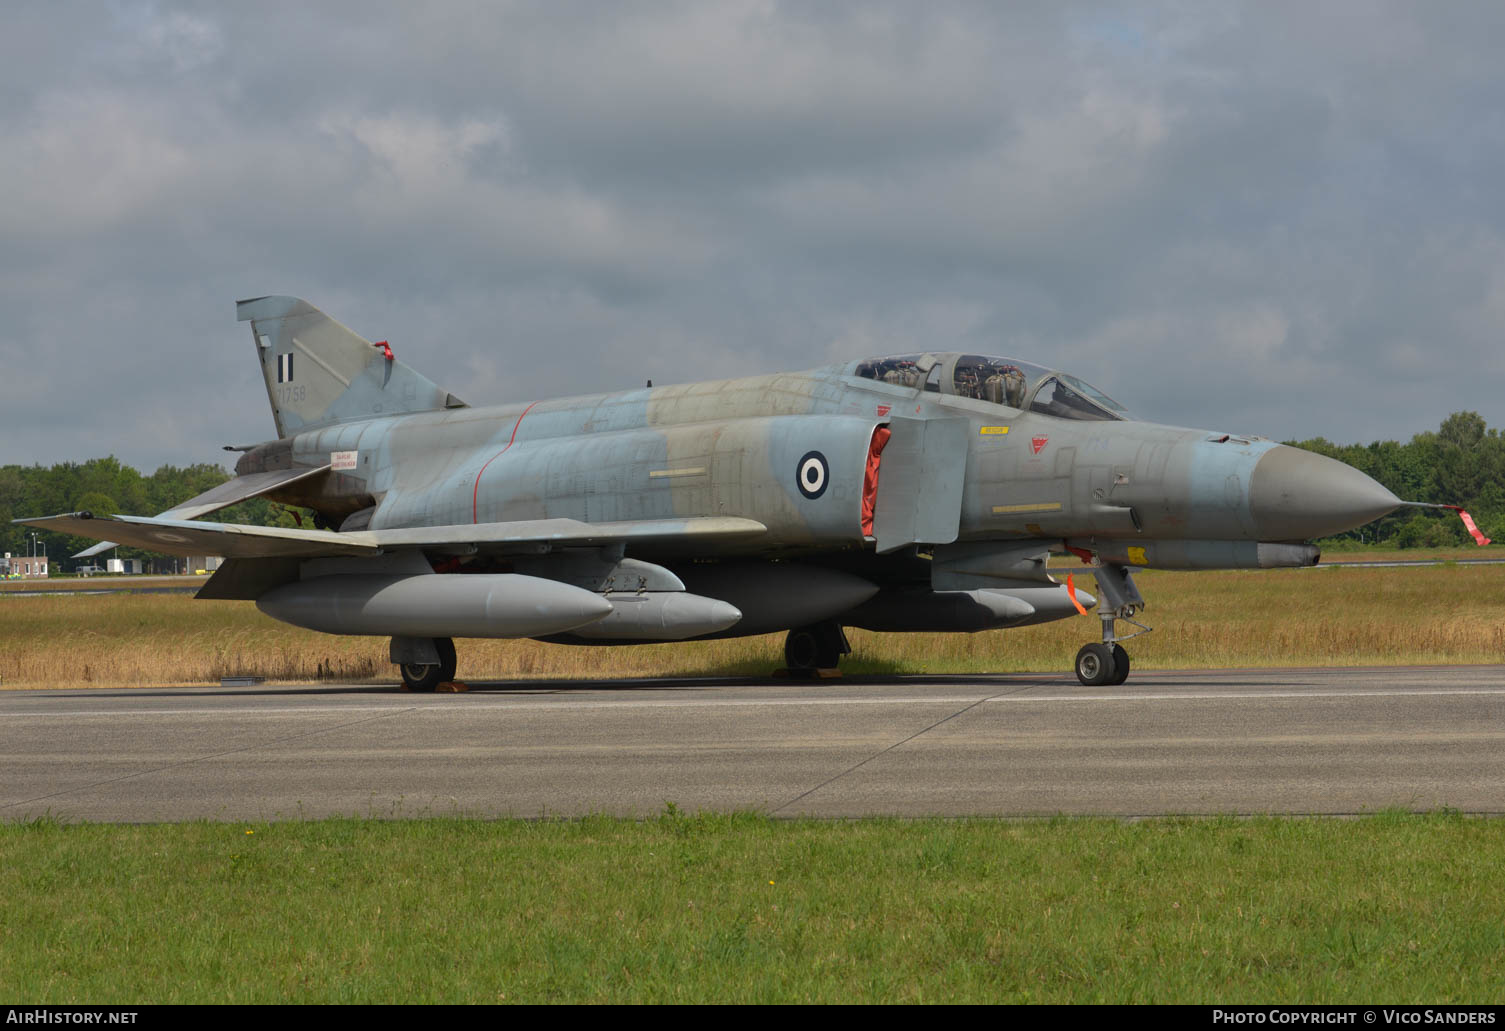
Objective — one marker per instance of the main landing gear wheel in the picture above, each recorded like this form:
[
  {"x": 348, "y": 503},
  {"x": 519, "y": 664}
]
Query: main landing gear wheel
[
  {"x": 427, "y": 678},
  {"x": 810, "y": 648}
]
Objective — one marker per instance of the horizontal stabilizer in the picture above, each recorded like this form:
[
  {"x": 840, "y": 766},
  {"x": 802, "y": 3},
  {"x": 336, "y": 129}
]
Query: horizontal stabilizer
[
  {"x": 233, "y": 540},
  {"x": 242, "y": 488},
  {"x": 231, "y": 492}
]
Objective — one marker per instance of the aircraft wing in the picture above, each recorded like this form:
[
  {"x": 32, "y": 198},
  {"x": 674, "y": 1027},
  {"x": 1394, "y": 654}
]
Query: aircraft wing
[
  {"x": 181, "y": 537},
  {"x": 231, "y": 492},
  {"x": 234, "y": 540}
]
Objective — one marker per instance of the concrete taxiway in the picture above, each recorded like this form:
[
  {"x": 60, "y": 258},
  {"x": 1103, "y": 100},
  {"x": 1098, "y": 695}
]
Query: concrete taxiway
[{"x": 1240, "y": 741}]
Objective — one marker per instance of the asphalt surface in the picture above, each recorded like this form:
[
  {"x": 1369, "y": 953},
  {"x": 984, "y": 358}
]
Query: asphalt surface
[{"x": 1240, "y": 741}]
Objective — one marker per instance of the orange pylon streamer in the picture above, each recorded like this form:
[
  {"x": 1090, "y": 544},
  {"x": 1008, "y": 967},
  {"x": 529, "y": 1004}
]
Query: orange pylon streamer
[{"x": 1071, "y": 591}]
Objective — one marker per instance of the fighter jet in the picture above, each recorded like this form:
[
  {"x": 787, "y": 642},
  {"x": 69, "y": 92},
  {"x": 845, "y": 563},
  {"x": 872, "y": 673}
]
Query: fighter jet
[{"x": 918, "y": 493}]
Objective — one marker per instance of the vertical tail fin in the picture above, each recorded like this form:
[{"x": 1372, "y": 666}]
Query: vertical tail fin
[{"x": 318, "y": 373}]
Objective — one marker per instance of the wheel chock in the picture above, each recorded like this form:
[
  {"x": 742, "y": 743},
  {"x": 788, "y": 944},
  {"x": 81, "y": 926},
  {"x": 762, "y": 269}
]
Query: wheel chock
[{"x": 452, "y": 687}]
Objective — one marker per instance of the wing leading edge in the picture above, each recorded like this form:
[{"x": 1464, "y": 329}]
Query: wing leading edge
[{"x": 235, "y": 540}]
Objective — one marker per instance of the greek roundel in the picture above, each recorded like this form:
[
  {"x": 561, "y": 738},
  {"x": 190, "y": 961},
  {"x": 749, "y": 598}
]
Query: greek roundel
[{"x": 812, "y": 475}]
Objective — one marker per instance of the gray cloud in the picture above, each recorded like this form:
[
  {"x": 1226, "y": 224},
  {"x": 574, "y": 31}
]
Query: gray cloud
[{"x": 1261, "y": 217}]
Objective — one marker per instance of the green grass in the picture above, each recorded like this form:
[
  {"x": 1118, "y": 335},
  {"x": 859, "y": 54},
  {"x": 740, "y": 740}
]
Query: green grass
[{"x": 741, "y": 908}]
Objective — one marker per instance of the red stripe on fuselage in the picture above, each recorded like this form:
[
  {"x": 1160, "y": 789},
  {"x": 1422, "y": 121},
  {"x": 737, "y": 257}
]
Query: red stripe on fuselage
[{"x": 475, "y": 496}]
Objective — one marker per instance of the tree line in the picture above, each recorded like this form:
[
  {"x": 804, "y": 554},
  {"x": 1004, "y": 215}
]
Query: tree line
[
  {"x": 1463, "y": 463},
  {"x": 106, "y": 487}
]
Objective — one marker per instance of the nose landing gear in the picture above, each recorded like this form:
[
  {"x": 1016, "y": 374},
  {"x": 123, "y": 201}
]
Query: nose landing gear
[
  {"x": 1098, "y": 664},
  {"x": 1108, "y": 663}
]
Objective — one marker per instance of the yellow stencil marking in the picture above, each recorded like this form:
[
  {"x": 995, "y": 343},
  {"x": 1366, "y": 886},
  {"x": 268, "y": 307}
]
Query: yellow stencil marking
[
  {"x": 1136, "y": 557},
  {"x": 989, "y": 431},
  {"x": 1044, "y": 506}
]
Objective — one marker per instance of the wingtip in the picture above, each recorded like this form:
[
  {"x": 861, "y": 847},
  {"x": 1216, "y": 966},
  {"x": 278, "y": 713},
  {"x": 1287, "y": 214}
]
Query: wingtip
[{"x": 41, "y": 520}]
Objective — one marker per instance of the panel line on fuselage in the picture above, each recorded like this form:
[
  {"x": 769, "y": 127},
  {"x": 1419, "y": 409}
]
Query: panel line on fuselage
[{"x": 475, "y": 496}]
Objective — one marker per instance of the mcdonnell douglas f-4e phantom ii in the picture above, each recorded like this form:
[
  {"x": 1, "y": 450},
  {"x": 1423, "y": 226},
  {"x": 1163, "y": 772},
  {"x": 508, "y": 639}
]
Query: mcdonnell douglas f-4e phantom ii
[{"x": 920, "y": 493}]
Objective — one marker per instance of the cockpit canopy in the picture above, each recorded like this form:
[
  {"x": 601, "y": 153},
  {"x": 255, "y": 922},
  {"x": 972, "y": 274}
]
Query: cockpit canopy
[{"x": 1000, "y": 381}]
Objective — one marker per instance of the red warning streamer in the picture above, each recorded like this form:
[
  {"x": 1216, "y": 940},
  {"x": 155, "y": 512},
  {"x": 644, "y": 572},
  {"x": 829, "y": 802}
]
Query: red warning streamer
[
  {"x": 1071, "y": 592},
  {"x": 870, "y": 478},
  {"x": 1468, "y": 522}
]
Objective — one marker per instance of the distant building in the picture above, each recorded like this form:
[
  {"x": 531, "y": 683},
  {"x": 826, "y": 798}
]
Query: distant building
[
  {"x": 129, "y": 566},
  {"x": 201, "y": 564},
  {"x": 23, "y": 567}
]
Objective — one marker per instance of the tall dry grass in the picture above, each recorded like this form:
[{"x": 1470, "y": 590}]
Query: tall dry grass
[{"x": 1316, "y": 617}]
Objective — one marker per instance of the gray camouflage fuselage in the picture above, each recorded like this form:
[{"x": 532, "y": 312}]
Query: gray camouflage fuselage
[{"x": 732, "y": 447}]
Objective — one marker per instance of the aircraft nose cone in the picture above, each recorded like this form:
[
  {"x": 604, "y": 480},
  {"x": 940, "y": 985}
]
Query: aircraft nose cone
[{"x": 1298, "y": 495}]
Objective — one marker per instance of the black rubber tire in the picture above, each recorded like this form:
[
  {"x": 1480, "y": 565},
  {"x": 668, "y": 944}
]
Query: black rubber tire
[
  {"x": 420, "y": 678},
  {"x": 814, "y": 647},
  {"x": 802, "y": 649},
  {"x": 426, "y": 678},
  {"x": 1094, "y": 665},
  {"x": 1120, "y": 665}
]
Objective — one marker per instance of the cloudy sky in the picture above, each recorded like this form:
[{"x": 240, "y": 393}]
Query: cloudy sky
[{"x": 1276, "y": 218}]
